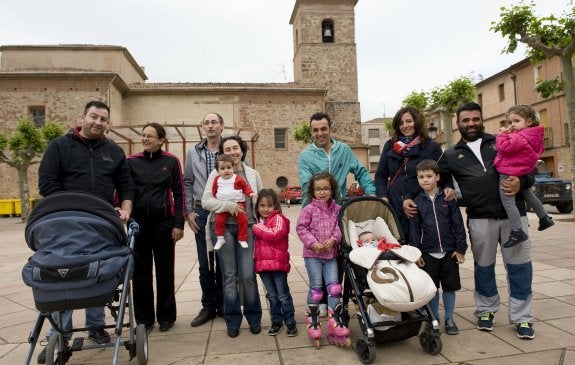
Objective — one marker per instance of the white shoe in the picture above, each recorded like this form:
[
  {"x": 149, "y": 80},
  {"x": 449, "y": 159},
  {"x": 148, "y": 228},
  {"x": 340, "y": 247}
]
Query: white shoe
[
  {"x": 244, "y": 244},
  {"x": 323, "y": 310},
  {"x": 220, "y": 242}
]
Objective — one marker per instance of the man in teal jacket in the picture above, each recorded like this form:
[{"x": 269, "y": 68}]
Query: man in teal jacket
[{"x": 327, "y": 154}]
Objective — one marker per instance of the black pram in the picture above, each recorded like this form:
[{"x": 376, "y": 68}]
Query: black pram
[{"x": 83, "y": 258}]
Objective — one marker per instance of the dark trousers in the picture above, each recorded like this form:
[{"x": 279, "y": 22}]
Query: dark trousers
[
  {"x": 154, "y": 247},
  {"x": 209, "y": 267}
]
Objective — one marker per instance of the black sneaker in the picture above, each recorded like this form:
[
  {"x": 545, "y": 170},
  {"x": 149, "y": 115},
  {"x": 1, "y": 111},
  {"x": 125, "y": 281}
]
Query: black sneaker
[
  {"x": 166, "y": 326},
  {"x": 100, "y": 336},
  {"x": 291, "y": 329},
  {"x": 515, "y": 237},
  {"x": 255, "y": 329},
  {"x": 485, "y": 322},
  {"x": 451, "y": 327},
  {"x": 545, "y": 223},
  {"x": 525, "y": 330},
  {"x": 204, "y": 316},
  {"x": 275, "y": 328},
  {"x": 233, "y": 332}
]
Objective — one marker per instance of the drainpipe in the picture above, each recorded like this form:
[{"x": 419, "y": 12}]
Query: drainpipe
[{"x": 514, "y": 79}]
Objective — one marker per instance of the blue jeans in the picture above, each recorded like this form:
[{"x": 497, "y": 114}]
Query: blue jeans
[
  {"x": 238, "y": 268},
  {"x": 95, "y": 317},
  {"x": 210, "y": 275},
  {"x": 279, "y": 296},
  {"x": 318, "y": 269}
]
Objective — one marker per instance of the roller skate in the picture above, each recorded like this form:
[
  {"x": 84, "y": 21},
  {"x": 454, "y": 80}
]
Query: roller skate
[
  {"x": 337, "y": 332},
  {"x": 313, "y": 325}
]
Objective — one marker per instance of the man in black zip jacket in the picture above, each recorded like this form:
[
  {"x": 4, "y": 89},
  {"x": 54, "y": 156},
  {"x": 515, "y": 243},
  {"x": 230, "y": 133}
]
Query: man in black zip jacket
[{"x": 84, "y": 160}]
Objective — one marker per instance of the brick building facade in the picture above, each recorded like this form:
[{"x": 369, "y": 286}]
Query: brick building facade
[{"x": 55, "y": 82}]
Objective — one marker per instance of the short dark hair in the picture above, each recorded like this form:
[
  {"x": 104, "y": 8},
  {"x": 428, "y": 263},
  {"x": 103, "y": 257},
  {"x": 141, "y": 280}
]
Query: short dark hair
[
  {"x": 96, "y": 104},
  {"x": 428, "y": 165},
  {"x": 224, "y": 158},
  {"x": 471, "y": 106},
  {"x": 320, "y": 116},
  {"x": 158, "y": 127}
]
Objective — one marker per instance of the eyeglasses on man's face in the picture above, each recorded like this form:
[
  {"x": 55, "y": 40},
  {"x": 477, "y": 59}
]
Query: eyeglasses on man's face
[{"x": 211, "y": 122}]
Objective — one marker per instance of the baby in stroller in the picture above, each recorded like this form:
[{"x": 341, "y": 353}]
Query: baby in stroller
[
  {"x": 382, "y": 278},
  {"x": 394, "y": 278}
]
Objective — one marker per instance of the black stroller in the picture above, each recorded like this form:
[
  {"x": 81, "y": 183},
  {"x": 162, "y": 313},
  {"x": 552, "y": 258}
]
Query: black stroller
[
  {"x": 357, "y": 289},
  {"x": 83, "y": 258}
]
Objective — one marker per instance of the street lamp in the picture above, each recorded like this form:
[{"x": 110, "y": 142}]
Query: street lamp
[{"x": 432, "y": 131}]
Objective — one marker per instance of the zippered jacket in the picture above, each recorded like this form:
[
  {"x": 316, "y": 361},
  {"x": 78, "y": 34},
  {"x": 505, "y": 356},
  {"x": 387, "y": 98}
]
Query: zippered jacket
[
  {"x": 479, "y": 185},
  {"x": 437, "y": 226},
  {"x": 71, "y": 163},
  {"x": 159, "y": 187},
  {"x": 271, "y": 247},
  {"x": 339, "y": 162}
]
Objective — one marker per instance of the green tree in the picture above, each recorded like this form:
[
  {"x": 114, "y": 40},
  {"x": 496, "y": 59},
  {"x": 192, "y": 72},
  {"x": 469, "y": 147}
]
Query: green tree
[
  {"x": 417, "y": 100},
  {"x": 302, "y": 133},
  {"x": 545, "y": 37},
  {"x": 20, "y": 150},
  {"x": 446, "y": 99}
]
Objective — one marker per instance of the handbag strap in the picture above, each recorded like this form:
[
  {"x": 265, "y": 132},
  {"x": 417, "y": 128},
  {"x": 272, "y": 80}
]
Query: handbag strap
[{"x": 398, "y": 172}]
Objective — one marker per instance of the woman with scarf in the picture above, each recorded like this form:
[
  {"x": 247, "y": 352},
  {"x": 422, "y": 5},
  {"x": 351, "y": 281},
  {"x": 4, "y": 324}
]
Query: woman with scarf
[{"x": 396, "y": 176}]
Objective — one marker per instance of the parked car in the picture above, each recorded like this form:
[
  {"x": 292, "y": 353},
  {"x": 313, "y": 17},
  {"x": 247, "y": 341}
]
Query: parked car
[
  {"x": 293, "y": 193},
  {"x": 355, "y": 190},
  {"x": 552, "y": 191}
]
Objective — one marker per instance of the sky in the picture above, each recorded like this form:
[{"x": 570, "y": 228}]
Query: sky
[{"x": 402, "y": 45}]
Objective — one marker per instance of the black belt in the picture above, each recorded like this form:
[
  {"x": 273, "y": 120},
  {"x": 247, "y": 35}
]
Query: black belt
[{"x": 197, "y": 205}]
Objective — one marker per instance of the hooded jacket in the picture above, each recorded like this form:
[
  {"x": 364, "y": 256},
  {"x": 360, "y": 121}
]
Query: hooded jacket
[
  {"x": 271, "y": 247},
  {"x": 518, "y": 152},
  {"x": 339, "y": 162}
]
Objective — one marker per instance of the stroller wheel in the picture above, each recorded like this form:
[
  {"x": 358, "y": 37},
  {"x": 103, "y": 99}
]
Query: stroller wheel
[
  {"x": 52, "y": 348},
  {"x": 365, "y": 351},
  {"x": 141, "y": 344},
  {"x": 430, "y": 343}
]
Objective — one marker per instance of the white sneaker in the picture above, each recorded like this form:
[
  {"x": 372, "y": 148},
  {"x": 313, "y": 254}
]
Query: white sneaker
[
  {"x": 323, "y": 310},
  {"x": 244, "y": 244},
  {"x": 219, "y": 243}
]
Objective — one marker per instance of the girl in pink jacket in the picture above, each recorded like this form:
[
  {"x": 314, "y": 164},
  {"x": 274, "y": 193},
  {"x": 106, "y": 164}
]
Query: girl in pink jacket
[
  {"x": 271, "y": 258},
  {"x": 518, "y": 149}
]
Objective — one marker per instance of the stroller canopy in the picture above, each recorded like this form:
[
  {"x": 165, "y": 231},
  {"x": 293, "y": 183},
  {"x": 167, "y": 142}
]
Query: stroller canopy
[{"x": 75, "y": 228}]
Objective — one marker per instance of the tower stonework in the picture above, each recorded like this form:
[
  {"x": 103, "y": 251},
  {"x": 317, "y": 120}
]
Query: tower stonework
[{"x": 325, "y": 56}]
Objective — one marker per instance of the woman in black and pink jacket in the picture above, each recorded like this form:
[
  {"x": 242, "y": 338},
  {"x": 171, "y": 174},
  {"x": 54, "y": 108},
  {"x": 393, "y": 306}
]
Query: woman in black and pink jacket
[{"x": 159, "y": 209}]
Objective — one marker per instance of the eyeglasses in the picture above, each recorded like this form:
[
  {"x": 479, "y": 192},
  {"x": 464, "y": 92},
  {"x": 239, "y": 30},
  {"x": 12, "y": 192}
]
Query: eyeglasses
[
  {"x": 212, "y": 122},
  {"x": 322, "y": 190},
  {"x": 148, "y": 136}
]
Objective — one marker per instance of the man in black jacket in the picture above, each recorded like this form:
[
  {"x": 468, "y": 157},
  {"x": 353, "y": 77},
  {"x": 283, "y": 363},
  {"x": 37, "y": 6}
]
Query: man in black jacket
[
  {"x": 470, "y": 162},
  {"x": 85, "y": 160}
]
